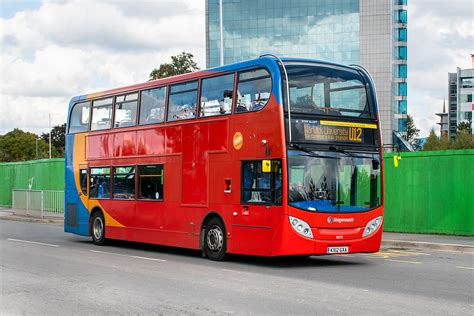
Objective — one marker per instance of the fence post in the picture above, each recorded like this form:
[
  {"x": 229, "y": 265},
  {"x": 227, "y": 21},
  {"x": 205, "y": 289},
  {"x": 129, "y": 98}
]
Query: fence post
[
  {"x": 27, "y": 201},
  {"x": 42, "y": 203},
  {"x": 13, "y": 200}
]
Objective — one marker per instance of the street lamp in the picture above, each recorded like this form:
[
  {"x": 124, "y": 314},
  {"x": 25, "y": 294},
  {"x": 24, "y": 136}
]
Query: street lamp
[
  {"x": 221, "y": 27},
  {"x": 49, "y": 124},
  {"x": 37, "y": 139}
]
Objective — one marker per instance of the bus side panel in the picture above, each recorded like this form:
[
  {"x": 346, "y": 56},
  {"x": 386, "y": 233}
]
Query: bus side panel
[
  {"x": 76, "y": 215},
  {"x": 195, "y": 164}
]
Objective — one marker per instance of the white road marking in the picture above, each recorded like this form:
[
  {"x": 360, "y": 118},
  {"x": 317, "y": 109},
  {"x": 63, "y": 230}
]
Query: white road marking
[
  {"x": 468, "y": 268},
  {"x": 403, "y": 261},
  {"x": 129, "y": 256},
  {"x": 235, "y": 271},
  {"x": 32, "y": 242}
]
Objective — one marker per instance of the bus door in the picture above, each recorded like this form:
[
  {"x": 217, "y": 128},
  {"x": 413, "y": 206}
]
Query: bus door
[{"x": 260, "y": 192}]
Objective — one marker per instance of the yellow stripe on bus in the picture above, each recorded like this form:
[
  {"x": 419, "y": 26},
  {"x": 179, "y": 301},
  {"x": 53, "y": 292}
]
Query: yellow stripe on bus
[{"x": 349, "y": 124}]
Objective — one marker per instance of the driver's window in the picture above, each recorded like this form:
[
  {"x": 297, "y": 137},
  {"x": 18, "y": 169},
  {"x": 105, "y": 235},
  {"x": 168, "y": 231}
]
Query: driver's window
[{"x": 260, "y": 186}]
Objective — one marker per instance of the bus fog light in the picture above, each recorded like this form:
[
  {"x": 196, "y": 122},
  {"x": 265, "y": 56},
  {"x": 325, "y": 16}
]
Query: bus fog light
[
  {"x": 372, "y": 226},
  {"x": 301, "y": 227}
]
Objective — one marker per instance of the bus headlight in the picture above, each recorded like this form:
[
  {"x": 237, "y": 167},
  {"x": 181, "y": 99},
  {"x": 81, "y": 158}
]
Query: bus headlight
[
  {"x": 372, "y": 226},
  {"x": 301, "y": 227}
]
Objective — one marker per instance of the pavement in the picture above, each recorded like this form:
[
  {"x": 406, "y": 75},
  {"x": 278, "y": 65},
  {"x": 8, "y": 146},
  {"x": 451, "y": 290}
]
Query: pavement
[
  {"x": 45, "y": 271},
  {"x": 390, "y": 240},
  {"x": 7, "y": 214}
]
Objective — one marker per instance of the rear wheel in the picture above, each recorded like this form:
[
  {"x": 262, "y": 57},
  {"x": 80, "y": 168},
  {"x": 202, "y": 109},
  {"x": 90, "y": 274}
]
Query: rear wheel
[
  {"x": 215, "y": 241},
  {"x": 98, "y": 229}
]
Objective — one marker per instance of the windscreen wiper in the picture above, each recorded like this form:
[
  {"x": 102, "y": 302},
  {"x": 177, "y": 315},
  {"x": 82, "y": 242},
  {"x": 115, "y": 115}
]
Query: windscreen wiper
[
  {"x": 342, "y": 151},
  {"x": 309, "y": 152}
]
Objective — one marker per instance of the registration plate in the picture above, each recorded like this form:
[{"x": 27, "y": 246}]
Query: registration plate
[{"x": 338, "y": 249}]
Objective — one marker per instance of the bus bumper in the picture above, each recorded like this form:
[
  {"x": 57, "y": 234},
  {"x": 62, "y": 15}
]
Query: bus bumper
[{"x": 330, "y": 238}]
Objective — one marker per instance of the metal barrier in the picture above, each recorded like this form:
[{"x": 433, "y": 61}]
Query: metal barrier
[{"x": 38, "y": 203}]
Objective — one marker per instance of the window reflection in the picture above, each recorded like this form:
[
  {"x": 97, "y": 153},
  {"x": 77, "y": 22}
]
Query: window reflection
[
  {"x": 216, "y": 95},
  {"x": 182, "y": 101},
  {"x": 253, "y": 90},
  {"x": 152, "y": 107}
]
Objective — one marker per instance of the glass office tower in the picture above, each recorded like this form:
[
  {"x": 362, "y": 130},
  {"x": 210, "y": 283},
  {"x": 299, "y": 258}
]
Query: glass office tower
[{"x": 367, "y": 32}]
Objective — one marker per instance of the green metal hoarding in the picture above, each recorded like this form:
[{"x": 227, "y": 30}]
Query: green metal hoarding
[
  {"x": 45, "y": 174},
  {"x": 430, "y": 192}
]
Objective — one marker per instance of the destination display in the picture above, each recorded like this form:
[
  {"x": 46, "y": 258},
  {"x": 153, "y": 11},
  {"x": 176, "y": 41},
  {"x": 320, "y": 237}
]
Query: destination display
[{"x": 325, "y": 131}]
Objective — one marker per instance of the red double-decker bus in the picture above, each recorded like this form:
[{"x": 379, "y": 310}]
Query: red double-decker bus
[{"x": 265, "y": 157}]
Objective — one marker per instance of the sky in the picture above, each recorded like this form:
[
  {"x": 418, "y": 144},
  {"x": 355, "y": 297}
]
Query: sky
[{"x": 52, "y": 50}]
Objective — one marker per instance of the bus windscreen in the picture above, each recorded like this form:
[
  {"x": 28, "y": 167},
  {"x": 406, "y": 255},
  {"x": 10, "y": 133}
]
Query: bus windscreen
[{"x": 327, "y": 90}]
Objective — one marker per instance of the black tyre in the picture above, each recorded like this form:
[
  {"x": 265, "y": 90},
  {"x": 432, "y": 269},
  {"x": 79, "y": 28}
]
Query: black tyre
[
  {"x": 98, "y": 228},
  {"x": 215, "y": 240}
]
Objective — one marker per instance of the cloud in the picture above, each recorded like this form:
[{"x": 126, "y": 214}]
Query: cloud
[
  {"x": 67, "y": 48},
  {"x": 58, "y": 49},
  {"x": 440, "y": 38}
]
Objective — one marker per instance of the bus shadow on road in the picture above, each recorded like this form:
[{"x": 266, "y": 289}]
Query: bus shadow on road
[
  {"x": 271, "y": 262},
  {"x": 296, "y": 261},
  {"x": 148, "y": 248}
]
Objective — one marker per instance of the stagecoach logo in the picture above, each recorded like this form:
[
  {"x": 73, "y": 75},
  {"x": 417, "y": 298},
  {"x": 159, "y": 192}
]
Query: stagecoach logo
[
  {"x": 340, "y": 220},
  {"x": 238, "y": 140}
]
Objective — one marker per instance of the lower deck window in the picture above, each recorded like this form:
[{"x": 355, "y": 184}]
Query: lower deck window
[
  {"x": 83, "y": 180},
  {"x": 150, "y": 182},
  {"x": 100, "y": 183},
  {"x": 124, "y": 183}
]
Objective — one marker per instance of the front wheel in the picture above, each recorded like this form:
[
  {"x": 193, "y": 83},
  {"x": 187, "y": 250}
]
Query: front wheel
[
  {"x": 98, "y": 229},
  {"x": 215, "y": 241}
]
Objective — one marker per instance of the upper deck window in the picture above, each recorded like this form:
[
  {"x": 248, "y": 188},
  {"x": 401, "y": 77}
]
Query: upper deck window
[
  {"x": 324, "y": 90},
  {"x": 101, "y": 114},
  {"x": 253, "y": 90},
  {"x": 152, "y": 106},
  {"x": 126, "y": 110},
  {"x": 80, "y": 115},
  {"x": 216, "y": 95},
  {"x": 182, "y": 101}
]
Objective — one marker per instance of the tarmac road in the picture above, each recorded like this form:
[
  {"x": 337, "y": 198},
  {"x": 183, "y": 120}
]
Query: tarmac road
[{"x": 46, "y": 271}]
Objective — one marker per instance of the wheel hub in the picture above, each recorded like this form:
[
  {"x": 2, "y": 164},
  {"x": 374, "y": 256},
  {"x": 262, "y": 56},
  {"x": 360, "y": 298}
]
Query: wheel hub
[
  {"x": 98, "y": 228},
  {"x": 215, "y": 239}
]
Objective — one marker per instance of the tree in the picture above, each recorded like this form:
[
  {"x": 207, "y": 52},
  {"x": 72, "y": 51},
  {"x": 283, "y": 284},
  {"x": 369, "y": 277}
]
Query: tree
[
  {"x": 464, "y": 127},
  {"x": 180, "y": 64},
  {"x": 18, "y": 145},
  {"x": 58, "y": 138},
  {"x": 412, "y": 131},
  {"x": 433, "y": 141},
  {"x": 463, "y": 139}
]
